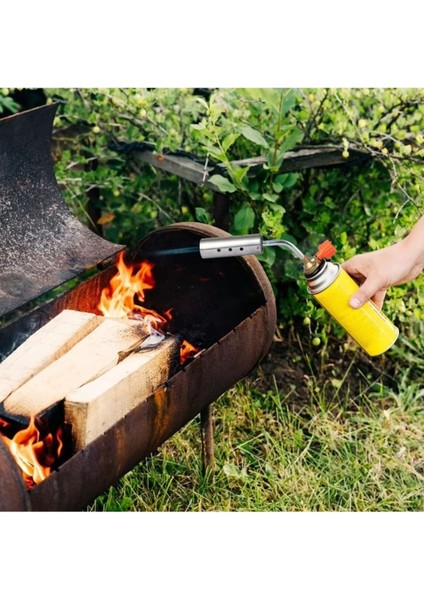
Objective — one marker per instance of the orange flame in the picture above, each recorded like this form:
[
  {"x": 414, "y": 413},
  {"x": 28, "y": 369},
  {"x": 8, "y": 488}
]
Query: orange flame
[
  {"x": 187, "y": 351},
  {"x": 33, "y": 454},
  {"x": 119, "y": 300}
]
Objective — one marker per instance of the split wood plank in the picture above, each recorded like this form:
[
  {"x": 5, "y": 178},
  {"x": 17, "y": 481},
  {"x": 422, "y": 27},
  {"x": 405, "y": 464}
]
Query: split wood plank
[
  {"x": 90, "y": 357},
  {"x": 44, "y": 346},
  {"x": 96, "y": 406}
]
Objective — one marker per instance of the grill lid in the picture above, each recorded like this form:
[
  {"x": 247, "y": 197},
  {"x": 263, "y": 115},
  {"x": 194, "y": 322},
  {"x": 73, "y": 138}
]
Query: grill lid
[{"x": 42, "y": 244}]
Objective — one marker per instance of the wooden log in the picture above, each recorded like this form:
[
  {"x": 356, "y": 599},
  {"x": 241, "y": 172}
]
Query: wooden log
[
  {"x": 90, "y": 357},
  {"x": 45, "y": 346},
  {"x": 96, "y": 406}
]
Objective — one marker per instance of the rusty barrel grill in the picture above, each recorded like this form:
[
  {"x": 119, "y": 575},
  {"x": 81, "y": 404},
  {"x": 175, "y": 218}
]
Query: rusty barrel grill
[{"x": 225, "y": 307}]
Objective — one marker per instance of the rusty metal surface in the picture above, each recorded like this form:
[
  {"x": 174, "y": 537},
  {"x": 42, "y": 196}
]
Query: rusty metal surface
[
  {"x": 219, "y": 292},
  {"x": 240, "y": 291},
  {"x": 41, "y": 243},
  {"x": 13, "y": 495},
  {"x": 83, "y": 297},
  {"x": 92, "y": 470}
]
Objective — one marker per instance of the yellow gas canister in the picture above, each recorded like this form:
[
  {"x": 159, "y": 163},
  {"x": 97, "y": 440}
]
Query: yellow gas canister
[{"x": 332, "y": 287}]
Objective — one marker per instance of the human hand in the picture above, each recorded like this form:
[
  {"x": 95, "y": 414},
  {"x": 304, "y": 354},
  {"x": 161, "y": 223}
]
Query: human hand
[{"x": 376, "y": 271}]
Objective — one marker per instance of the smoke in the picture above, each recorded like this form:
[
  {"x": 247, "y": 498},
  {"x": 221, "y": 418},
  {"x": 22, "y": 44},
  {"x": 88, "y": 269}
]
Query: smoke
[{"x": 15, "y": 333}]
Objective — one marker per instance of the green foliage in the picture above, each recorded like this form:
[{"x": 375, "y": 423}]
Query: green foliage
[
  {"x": 222, "y": 183},
  {"x": 131, "y": 199},
  {"x": 244, "y": 219},
  {"x": 359, "y": 207},
  {"x": 7, "y": 103}
]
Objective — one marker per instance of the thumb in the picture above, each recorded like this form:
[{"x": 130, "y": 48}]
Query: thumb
[{"x": 367, "y": 290}]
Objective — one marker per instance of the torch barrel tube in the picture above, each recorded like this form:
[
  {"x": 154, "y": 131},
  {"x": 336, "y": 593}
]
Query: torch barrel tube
[
  {"x": 241, "y": 245},
  {"x": 236, "y": 245}
]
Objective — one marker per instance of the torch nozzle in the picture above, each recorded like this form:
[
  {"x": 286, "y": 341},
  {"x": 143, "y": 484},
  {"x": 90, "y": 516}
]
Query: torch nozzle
[{"x": 287, "y": 245}]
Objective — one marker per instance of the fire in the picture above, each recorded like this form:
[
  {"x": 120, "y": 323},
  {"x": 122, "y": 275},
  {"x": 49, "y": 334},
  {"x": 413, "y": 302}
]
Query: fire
[
  {"x": 125, "y": 293},
  {"x": 3, "y": 423},
  {"x": 125, "y": 288},
  {"x": 187, "y": 351},
  {"x": 33, "y": 453}
]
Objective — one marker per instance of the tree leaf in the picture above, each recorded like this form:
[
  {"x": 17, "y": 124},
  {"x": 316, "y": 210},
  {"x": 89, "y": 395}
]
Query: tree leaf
[
  {"x": 229, "y": 140},
  {"x": 215, "y": 152},
  {"x": 291, "y": 140},
  {"x": 244, "y": 219},
  {"x": 271, "y": 97},
  {"x": 199, "y": 126},
  {"x": 202, "y": 215},
  {"x": 288, "y": 101},
  {"x": 254, "y": 93},
  {"x": 287, "y": 180},
  {"x": 278, "y": 208},
  {"x": 232, "y": 470},
  {"x": 222, "y": 183},
  {"x": 106, "y": 218},
  {"x": 268, "y": 256},
  {"x": 253, "y": 135},
  {"x": 239, "y": 173},
  {"x": 270, "y": 197},
  {"x": 8, "y": 103},
  {"x": 202, "y": 101}
]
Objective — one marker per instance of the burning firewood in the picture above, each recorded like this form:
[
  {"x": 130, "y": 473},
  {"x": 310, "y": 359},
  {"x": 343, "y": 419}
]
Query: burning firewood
[
  {"x": 33, "y": 452},
  {"x": 45, "y": 346},
  {"x": 97, "y": 405},
  {"x": 93, "y": 364}
]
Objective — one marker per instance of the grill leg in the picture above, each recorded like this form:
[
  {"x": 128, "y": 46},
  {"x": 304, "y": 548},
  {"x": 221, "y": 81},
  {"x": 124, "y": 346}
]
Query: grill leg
[{"x": 206, "y": 431}]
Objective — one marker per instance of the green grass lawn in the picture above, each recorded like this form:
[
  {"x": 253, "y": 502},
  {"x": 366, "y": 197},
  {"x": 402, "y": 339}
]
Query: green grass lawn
[{"x": 308, "y": 430}]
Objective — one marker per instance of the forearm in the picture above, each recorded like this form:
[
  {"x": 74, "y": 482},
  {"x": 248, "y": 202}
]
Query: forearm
[
  {"x": 412, "y": 246},
  {"x": 376, "y": 271}
]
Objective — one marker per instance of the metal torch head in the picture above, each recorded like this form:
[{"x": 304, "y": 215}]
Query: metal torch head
[{"x": 224, "y": 247}]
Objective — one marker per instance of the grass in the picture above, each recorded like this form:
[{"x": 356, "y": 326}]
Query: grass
[{"x": 351, "y": 438}]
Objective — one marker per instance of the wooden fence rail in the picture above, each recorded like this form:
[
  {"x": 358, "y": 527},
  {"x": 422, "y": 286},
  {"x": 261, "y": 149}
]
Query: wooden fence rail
[{"x": 199, "y": 172}]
